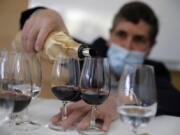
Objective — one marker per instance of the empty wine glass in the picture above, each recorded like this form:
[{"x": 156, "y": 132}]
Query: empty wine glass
[
  {"x": 65, "y": 84},
  {"x": 95, "y": 88},
  {"x": 136, "y": 101},
  {"x": 6, "y": 97}
]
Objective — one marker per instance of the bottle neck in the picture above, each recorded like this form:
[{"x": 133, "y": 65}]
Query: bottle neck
[{"x": 86, "y": 51}]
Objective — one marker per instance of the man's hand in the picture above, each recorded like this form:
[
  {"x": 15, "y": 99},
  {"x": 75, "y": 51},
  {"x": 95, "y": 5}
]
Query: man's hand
[
  {"x": 81, "y": 112},
  {"x": 37, "y": 28}
]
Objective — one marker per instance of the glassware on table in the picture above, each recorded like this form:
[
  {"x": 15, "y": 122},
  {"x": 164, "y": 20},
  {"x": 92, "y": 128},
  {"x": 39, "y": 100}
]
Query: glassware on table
[
  {"x": 65, "y": 84},
  {"x": 6, "y": 96},
  {"x": 36, "y": 76},
  {"x": 36, "y": 73},
  {"x": 19, "y": 82},
  {"x": 137, "y": 103},
  {"x": 95, "y": 86}
]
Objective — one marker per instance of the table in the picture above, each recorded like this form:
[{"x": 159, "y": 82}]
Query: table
[{"x": 43, "y": 109}]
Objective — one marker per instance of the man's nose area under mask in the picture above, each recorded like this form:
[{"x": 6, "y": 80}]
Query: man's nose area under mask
[{"x": 127, "y": 44}]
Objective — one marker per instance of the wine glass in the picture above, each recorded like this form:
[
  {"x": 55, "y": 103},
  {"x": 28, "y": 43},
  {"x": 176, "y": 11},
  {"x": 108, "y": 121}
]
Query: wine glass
[
  {"x": 95, "y": 87},
  {"x": 65, "y": 84},
  {"x": 137, "y": 103},
  {"x": 36, "y": 76},
  {"x": 6, "y": 97},
  {"x": 20, "y": 82}
]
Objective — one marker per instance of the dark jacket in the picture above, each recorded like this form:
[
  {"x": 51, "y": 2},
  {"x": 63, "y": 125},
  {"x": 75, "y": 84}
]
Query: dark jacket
[{"x": 167, "y": 95}]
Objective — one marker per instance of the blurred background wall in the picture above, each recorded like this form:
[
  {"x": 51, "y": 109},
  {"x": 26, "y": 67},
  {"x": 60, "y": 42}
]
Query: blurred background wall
[
  {"x": 87, "y": 19},
  {"x": 9, "y": 20}
]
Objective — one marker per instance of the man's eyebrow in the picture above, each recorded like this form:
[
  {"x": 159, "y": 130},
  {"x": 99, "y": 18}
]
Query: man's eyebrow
[
  {"x": 140, "y": 36},
  {"x": 119, "y": 32}
]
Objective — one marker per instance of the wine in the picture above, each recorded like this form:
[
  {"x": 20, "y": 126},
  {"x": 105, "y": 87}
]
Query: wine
[
  {"x": 136, "y": 116},
  {"x": 6, "y": 106},
  {"x": 94, "y": 97},
  {"x": 20, "y": 100},
  {"x": 66, "y": 93}
]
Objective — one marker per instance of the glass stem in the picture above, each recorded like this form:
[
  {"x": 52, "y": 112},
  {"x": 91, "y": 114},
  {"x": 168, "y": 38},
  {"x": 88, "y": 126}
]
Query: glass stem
[
  {"x": 25, "y": 114},
  {"x": 64, "y": 111},
  {"x": 134, "y": 130},
  {"x": 93, "y": 116}
]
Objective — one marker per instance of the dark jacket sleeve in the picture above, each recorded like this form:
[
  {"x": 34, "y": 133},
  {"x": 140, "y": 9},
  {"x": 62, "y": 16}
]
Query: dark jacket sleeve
[
  {"x": 26, "y": 14},
  {"x": 167, "y": 95}
]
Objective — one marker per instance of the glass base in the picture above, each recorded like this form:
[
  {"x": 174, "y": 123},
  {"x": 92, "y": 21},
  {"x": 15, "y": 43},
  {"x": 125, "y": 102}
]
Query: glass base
[
  {"x": 56, "y": 127},
  {"x": 26, "y": 125},
  {"x": 59, "y": 127},
  {"x": 92, "y": 131},
  {"x": 23, "y": 122}
]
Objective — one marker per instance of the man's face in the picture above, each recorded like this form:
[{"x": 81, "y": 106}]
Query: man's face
[{"x": 132, "y": 36}]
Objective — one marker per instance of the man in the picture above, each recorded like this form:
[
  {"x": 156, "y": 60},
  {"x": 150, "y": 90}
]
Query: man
[{"x": 132, "y": 36}]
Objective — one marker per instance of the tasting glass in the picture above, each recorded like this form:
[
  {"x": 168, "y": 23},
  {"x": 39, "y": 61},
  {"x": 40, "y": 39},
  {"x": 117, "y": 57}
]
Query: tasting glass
[
  {"x": 6, "y": 96},
  {"x": 36, "y": 76},
  {"x": 65, "y": 84},
  {"x": 136, "y": 102},
  {"x": 95, "y": 85},
  {"x": 20, "y": 82}
]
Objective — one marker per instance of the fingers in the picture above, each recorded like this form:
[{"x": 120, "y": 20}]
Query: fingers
[
  {"x": 77, "y": 115},
  {"x": 55, "y": 119},
  {"x": 76, "y": 112},
  {"x": 70, "y": 109},
  {"x": 41, "y": 37},
  {"x": 73, "y": 118},
  {"x": 84, "y": 122},
  {"x": 29, "y": 36},
  {"x": 77, "y": 106}
]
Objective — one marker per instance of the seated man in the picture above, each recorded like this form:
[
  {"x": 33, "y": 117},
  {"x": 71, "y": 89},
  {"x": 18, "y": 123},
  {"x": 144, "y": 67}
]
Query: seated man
[{"x": 132, "y": 36}]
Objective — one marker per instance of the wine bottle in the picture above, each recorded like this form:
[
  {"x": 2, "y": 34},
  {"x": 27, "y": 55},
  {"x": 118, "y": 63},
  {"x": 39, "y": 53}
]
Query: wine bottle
[{"x": 59, "y": 43}]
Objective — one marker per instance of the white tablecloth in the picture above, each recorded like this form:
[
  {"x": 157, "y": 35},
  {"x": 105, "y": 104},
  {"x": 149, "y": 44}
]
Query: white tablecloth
[{"x": 43, "y": 109}]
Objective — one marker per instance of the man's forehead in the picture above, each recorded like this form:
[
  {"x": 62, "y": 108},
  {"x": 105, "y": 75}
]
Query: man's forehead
[{"x": 140, "y": 28}]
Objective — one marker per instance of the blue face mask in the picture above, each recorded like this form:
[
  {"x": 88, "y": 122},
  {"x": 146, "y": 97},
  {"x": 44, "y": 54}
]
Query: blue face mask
[{"x": 119, "y": 56}]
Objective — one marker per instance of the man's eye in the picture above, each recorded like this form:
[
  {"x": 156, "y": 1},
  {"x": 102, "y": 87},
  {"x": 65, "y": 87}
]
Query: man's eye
[
  {"x": 140, "y": 39},
  {"x": 121, "y": 34}
]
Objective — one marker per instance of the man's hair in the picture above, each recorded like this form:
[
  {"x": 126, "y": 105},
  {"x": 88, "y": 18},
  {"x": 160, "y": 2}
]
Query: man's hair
[{"x": 135, "y": 12}]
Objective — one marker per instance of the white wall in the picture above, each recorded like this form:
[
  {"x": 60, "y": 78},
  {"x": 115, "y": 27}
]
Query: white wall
[{"x": 88, "y": 19}]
